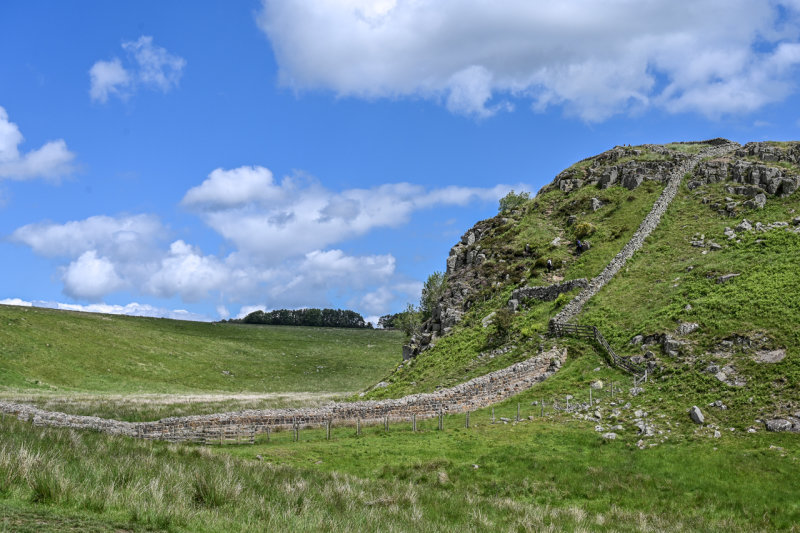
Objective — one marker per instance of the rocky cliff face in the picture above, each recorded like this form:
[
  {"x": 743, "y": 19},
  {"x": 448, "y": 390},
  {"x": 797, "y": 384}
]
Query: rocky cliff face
[{"x": 465, "y": 279}]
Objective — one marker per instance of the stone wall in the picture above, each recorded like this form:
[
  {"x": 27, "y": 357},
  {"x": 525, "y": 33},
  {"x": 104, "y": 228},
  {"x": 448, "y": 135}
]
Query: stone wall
[
  {"x": 546, "y": 293},
  {"x": 647, "y": 226},
  {"x": 474, "y": 394}
]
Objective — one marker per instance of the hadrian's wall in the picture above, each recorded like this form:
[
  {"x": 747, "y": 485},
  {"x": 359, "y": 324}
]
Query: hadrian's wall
[
  {"x": 647, "y": 226},
  {"x": 474, "y": 394}
]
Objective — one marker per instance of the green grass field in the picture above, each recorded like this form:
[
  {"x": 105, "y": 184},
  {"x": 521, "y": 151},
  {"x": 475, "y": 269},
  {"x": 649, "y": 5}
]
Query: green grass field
[
  {"x": 143, "y": 368},
  {"x": 552, "y": 473}
]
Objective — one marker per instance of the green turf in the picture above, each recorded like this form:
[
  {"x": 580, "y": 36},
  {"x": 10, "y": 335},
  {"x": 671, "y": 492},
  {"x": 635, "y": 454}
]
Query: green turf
[{"x": 58, "y": 351}]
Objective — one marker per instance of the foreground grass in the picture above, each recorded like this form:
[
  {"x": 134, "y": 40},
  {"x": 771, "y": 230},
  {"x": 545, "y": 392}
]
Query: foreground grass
[
  {"x": 551, "y": 473},
  {"x": 53, "y": 354}
]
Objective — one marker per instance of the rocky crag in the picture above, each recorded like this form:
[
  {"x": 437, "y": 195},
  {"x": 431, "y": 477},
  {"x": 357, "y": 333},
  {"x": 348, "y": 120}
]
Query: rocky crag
[{"x": 466, "y": 275}]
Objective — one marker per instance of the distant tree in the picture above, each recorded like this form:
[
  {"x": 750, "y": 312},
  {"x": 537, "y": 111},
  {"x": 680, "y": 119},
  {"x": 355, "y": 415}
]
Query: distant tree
[
  {"x": 389, "y": 321},
  {"x": 432, "y": 292},
  {"x": 513, "y": 200},
  {"x": 409, "y": 320}
]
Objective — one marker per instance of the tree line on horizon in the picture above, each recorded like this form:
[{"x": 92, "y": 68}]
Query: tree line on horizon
[{"x": 324, "y": 318}]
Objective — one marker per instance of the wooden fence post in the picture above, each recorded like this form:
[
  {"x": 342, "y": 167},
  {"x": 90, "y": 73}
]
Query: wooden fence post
[
  {"x": 269, "y": 429},
  {"x": 358, "y": 427},
  {"x": 492, "y": 415},
  {"x": 590, "y": 396},
  {"x": 466, "y": 424},
  {"x": 542, "y": 410},
  {"x": 328, "y": 429},
  {"x": 414, "y": 422},
  {"x": 517, "y": 411},
  {"x": 441, "y": 420},
  {"x": 386, "y": 423}
]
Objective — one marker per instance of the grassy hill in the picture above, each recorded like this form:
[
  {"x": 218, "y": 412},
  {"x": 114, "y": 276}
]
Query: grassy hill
[{"x": 91, "y": 363}]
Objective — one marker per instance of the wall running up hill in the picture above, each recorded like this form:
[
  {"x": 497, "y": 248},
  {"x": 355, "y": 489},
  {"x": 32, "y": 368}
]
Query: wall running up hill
[{"x": 650, "y": 222}]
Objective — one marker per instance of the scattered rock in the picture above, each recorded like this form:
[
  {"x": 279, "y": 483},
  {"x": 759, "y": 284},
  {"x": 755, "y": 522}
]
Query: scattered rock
[
  {"x": 718, "y": 404},
  {"x": 725, "y": 278},
  {"x": 696, "y": 415},
  {"x": 488, "y": 319},
  {"x": 597, "y": 384},
  {"x": 744, "y": 225},
  {"x": 684, "y": 328},
  {"x": 381, "y": 385},
  {"x": 770, "y": 356},
  {"x": 597, "y": 204},
  {"x": 556, "y": 242},
  {"x": 783, "y": 424},
  {"x": 475, "y": 467},
  {"x": 609, "y": 436}
]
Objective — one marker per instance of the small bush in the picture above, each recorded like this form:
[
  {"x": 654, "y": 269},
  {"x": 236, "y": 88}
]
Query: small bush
[{"x": 584, "y": 229}]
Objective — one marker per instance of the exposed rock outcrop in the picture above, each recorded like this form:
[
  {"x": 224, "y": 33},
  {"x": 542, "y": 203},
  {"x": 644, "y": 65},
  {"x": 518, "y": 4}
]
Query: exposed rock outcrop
[{"x": 755, "y": 165}]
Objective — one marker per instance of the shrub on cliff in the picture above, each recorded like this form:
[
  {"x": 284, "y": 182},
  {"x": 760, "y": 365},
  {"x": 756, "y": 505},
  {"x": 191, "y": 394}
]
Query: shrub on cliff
[{"x": 513, "y": 200}]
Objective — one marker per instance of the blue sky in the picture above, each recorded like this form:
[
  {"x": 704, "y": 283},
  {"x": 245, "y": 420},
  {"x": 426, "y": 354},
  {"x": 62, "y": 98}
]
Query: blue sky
[{"x": 202, "y": 160}]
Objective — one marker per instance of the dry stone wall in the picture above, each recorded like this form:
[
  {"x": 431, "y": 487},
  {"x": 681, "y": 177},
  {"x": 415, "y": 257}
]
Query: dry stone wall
[
  {"x": 647, "y": 226},
  {"x": 474, "y": 394}
]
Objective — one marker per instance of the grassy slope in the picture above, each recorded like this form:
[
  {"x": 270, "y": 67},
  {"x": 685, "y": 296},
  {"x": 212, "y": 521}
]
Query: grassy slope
[
  {"x": 46, "y": 350},
  {"x": 651, "y": 294},
  {"x": 458, "y": 357}
]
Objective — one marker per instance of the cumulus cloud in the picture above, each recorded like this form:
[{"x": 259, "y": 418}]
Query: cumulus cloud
[
  {"x": 146, "y": 65},
  {"x": 127, "y": 236},
  {"x": 283, "y": 234},
  {"x": 275, "y": 221},
  {"x": 91, "y": 277},
  {"x": 102, "y": 255},
  {"x": 51, "y": 160},
  {"x": 594, "y": 59},
  {"x": 15, "y": 301},
  {"x": 186, "y": 271}
]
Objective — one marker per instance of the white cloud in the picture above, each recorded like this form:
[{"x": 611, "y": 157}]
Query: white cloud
[
  {"x": 148, "y": 66},
  {"x": 594, "y": 59},
  {"x": 377, "y": 301},
  {"x": 108, "y": 77},
  {"x": 15, "y": 301},
  {"x": 282, "y": 232},
  {"x": 128, "y": 236},
  {"x": 276, "y": 221},
  {"x": 91, "y": 277},
  {"x": 186, "y": 271},
  {"x": 52, "y": 160}
]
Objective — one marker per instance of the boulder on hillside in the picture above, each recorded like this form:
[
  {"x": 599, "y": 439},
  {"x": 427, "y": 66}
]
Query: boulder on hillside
[{"x": 696, "y": 415}]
